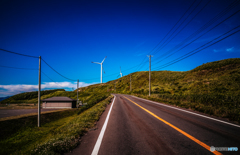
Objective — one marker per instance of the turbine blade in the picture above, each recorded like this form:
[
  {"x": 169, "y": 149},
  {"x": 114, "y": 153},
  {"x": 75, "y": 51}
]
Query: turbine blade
[
  {"x": 96, "y": 62},
  {"x": 104, "y": 59}
]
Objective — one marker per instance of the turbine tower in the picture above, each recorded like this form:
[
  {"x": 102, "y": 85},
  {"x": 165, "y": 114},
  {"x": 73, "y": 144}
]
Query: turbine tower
[
  {"x": 101, "y": 67},
  {"x": 120, "y": 73}
]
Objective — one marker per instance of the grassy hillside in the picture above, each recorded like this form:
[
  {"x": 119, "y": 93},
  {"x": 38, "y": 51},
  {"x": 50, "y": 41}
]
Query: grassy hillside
[
  {"x": 212, "y": 88},
  {"x": 214, "y": 78}
]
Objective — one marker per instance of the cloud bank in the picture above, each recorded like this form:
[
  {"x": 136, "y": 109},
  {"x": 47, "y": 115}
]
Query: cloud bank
[{"x": 9, "y": 90}]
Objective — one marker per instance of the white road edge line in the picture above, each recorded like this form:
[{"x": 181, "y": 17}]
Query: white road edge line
[
  {"x": 100, "y": 137},
  {"x": 189, "y": 112}
]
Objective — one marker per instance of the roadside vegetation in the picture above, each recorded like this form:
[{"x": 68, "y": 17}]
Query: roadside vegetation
[{"x": 60, "y": 131}]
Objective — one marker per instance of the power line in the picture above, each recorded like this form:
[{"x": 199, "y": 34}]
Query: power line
[
  {"x": 18, "y": 68},
  {"x": 18, "y": 53},
  {"x": 114, "y": 74},
  {"x": 50, "y": 78},
  {"x": 163, "y": 44},
  {"x": 200, "y": 30},
  {"x": 174, "y": 26},
  {"x": 192, "y": 52},
  {"x": 184, "y": 26},
  {"x": 200, "y": 36},
  {"x": 142, "y": 63},
  {"x": 57, "y": 71}
]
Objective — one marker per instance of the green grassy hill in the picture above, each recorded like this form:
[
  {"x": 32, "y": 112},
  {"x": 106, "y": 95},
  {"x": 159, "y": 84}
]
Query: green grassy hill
[
  {"x": 212, "y": 88},
  {"x": 214, "y": 78}
]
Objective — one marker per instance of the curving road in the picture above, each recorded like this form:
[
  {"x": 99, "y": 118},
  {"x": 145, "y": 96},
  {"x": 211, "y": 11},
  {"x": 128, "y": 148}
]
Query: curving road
[{"x": 135, "y": 126}]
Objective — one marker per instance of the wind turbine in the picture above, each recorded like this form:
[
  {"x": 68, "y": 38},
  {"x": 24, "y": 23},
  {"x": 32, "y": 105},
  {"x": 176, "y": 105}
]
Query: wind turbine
[
  {"x": 120, "y": 73},
  {"x": 101, "y": 66}
]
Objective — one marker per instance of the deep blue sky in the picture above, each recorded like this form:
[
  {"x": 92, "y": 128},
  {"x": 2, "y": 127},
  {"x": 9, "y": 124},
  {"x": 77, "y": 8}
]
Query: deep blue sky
[{"x": 69, "y": 34}]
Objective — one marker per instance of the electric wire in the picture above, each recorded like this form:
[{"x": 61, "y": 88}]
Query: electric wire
[
  {"x": 140, "y": 66},
  {"x": 50, "y": 78},
  {"x": 199, "y": 36},
  {"x": 200, "y": 30},
  {"x": 18, "y": 68},
  {"x": 198, "y": 49},
  {"x": 183, "y": 27},
  {"x": 209, "y": 23},
  {"x": 56, "y": 71},
  {"x": 164, "y": 43},
  {"x": 18, "y": 53},
  {"x": 114, "y": 74},
  {"x": 209, "y": 43}
]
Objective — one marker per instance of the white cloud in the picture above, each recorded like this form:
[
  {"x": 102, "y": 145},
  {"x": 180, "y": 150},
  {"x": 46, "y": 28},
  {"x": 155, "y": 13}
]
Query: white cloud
[
  {"x": 8, "y": 90},
  {"x": 230, "y": 49}
]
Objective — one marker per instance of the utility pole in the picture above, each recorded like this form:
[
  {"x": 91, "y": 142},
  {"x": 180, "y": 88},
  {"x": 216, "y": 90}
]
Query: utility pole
[
  {"x": 150, "y": 74},
  {"x": 115, "y": 86},
  {"x": 101, "y": 72},
  {"x": 39, "y": 94},
  {"x": 130, "y": 82}
]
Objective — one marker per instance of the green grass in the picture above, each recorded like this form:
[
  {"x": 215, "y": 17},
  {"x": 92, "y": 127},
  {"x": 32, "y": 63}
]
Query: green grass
[
  {"x": 60, "y": 131},
  {"x": 231, "y": 113}
]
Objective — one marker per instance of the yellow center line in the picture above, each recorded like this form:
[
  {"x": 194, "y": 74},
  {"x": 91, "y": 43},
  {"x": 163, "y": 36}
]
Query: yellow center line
[{"x": 179, "y": 130}]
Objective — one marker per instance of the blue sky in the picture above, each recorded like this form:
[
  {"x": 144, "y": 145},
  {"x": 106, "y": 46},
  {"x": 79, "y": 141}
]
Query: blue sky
[{"x": 69, "y": 35}]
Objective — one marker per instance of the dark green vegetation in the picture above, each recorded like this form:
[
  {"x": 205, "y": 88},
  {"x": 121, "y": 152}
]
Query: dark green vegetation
[{"x": 60, "y": 131}]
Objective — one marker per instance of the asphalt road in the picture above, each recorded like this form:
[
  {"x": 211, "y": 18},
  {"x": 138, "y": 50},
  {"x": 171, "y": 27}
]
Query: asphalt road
[
  {"x": 16, "y": 112},
  {"x": 135, "y": 126}
]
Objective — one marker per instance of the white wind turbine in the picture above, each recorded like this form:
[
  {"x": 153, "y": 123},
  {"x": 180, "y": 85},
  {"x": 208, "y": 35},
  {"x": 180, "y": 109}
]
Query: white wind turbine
[
  {"x": 120, "y": 73},
  {"x": 101, "y": 66}
]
